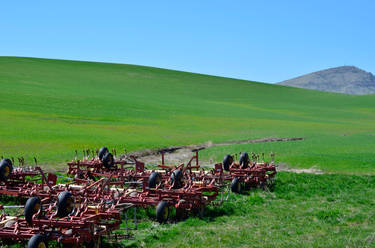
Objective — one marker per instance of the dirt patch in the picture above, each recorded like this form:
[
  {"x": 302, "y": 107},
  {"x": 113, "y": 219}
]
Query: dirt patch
[
  {"x": 240, "y": 142},
  {"x": 312, "y": 170},
  {"x": 181, "y": 154},
  {"x": 176, "y": 155},
  {"x": 172, "y": 149}
]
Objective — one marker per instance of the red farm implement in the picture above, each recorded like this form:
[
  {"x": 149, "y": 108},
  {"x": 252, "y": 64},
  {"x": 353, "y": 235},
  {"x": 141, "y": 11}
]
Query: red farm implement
[
  {"x": 70, "y": 223},
  {"x": 82, "y": 211}
]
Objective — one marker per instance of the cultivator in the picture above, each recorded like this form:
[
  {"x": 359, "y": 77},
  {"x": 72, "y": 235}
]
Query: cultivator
[
  {"x": 82, "y": 211},
  {"x": 64, "y": 221}
]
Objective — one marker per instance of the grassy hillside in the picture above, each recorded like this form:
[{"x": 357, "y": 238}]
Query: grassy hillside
[{"x": 49, "y": 108}]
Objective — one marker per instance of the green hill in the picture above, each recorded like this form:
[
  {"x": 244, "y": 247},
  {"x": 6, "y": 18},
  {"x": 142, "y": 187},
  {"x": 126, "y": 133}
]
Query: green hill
[{"x": 49, "y": 108}]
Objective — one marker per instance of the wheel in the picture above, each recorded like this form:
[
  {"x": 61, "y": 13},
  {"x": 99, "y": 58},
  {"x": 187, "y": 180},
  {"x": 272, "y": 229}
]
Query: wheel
[
  {"x": 37, "y": 241},
  {"x": 181, "y": 213},
  {"x": 65, "y": 204},
  {"x": 154, "y": 179},
  {"x": 244, "y": 160},
  {"x": 236, "y": 185},
  {"x": 162, "y": 212},
  {"x": 32, "y": 206},
  {"x": 228, "y": 160},
  {"x": 176, "y": 179},
  {"x": 108, "y": 160},
  {"x": 67, "y": 245},
  {"x": 103, "y": 151},
  {"x": 6, "y": 169},
  {"x": 94, "y": 243},
  {"x": 262, "y": 185}
]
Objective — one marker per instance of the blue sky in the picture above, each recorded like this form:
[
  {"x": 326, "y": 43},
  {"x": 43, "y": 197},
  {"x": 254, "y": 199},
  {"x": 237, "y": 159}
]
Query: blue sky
[{"x": 267, "y": 41}]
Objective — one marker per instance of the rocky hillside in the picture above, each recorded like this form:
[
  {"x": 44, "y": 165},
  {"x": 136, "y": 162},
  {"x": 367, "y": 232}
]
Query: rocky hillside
[{"x": 343, "y": 79}]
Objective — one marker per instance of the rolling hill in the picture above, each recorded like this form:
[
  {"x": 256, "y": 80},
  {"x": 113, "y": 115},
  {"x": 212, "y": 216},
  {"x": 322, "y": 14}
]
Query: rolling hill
[
  {"x": 343, "y": 79},
  {"x": 49, "y": 108}
]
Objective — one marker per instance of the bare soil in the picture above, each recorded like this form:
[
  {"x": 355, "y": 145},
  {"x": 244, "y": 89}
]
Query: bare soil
[{"x": 181, "y": 154}]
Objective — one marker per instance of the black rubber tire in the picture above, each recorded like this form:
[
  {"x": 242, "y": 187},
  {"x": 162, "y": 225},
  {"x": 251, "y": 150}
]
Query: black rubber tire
[
  {"x": 94, "y": 243},
  {"x": 181, "y": 214},
  {"x": 154, "y": 179},
  {"x": 176, "y": 179},
  {"x": 108, "y": 160},
  {"x": 227, "y": 161},
  {"x": 244, "y": 160},
  {"x": 235, "y": 185},
  {"x": 162, "y": 212},
  {"x": 103, "y": 151},
  {"x": 32, "y": 206},
  {"x": 6, "y": 169},
  {"x": 36, "y": 240},
  {"x": 67, "y": 245},
  {"x": 65, "y": 204}
]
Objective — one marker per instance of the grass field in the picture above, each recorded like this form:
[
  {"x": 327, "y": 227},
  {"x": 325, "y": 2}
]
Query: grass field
[
  {"x": 49, "y": 108},
  {"x": 302, "y": 210}
]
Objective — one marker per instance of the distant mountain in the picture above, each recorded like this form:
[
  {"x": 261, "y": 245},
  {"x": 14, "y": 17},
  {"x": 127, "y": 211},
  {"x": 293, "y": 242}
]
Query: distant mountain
[{"x": 343, "y": 79}]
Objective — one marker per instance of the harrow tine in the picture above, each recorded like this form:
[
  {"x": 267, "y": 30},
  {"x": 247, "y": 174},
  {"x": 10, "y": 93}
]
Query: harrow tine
[
  {"x": 12, "y": 158},
  {"x": 272, "y": 157},
  {"x": 76, "y": 155},
  {"x": 18, "y": 206},
  {"x": 36, "y": 161},
  {"x": 65, "y": 177},
  {"x": 135, "y": 218}
]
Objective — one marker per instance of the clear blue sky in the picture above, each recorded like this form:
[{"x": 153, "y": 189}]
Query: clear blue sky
[{"x": 267, "y": 41}]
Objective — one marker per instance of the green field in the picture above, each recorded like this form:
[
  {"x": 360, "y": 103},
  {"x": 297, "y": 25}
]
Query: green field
[
  {"x": 302, "y": 210},
  {"x": 49, "y": 108}
]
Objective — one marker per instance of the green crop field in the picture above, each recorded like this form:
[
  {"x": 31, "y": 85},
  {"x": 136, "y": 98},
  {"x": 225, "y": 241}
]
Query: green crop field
[{"x": 49, "y": 108}]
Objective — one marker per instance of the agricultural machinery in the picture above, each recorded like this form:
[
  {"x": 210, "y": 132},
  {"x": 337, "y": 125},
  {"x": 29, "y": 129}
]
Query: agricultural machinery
[
  {"x": 82, "y": 211},
  {"x": 69, "y": 222}
]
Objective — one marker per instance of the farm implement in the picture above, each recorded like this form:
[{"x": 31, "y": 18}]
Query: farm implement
[
  {"x": 245, "y": 173},
  {"x": 80, "y": 212},
  {"x": 163, "y": 188},
  {"x": 66, "y": 221}
]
